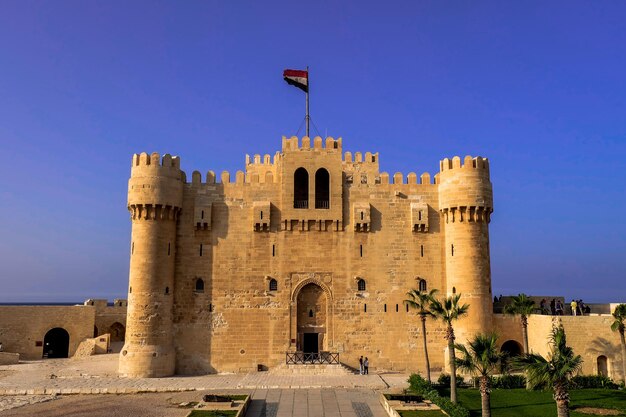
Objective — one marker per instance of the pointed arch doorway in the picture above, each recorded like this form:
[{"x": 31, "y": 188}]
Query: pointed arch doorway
[
  {"x": 311, "y": 314},
  {"x": 311, "y": 318}
]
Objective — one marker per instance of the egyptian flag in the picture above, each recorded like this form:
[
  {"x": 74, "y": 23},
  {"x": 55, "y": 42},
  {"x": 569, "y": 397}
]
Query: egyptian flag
[{"x": 298, "y": 78}]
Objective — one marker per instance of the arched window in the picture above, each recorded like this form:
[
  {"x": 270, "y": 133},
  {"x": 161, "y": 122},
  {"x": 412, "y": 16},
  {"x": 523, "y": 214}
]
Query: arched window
[
  {"x": 273, "y": 285},
  {"x": 360, "y": 285},
  {"x": 301, "y": 189},
  {"x": 322, "y": 189},
  {"x": 199, "y": 285},
  {"x": 422, "y": 285}
]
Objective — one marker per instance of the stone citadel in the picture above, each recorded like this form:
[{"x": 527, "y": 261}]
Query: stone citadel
[{"x": 310, "y": 251}]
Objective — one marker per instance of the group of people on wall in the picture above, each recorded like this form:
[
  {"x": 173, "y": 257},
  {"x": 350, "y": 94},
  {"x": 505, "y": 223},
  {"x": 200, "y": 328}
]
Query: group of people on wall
[{"x": 578, "y": 307}]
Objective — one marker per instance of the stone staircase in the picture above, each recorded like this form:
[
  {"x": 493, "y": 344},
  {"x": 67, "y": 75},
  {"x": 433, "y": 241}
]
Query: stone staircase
[{"x": 313, "y": 369}]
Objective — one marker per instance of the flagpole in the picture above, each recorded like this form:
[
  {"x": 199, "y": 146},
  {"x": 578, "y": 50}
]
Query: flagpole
[{"x": 307, "y": 117}]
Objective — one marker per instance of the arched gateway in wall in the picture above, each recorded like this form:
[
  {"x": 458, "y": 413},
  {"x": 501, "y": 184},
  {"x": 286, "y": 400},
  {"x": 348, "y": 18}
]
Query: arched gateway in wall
[
  {"x": 56, "y": 343},
  {"x": 311, "y": 315}
]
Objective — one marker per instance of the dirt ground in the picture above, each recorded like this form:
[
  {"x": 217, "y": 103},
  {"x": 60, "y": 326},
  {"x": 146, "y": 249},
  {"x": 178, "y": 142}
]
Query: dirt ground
[{"x": 111, "y": 405}]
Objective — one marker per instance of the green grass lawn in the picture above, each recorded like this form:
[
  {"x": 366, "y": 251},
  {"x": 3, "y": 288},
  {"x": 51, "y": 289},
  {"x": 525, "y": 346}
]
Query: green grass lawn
[
  {"x": 523, "y": 403},
  {"x": 415, "y": 413}
]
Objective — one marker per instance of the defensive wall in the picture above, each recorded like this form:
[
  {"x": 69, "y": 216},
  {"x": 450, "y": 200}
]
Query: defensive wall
[{"x": 26, "y": 329}]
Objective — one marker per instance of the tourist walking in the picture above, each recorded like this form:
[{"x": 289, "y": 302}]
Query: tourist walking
[
  {"x": 574, "y": 306},
  {"x": 361, "y": 365},
  {"x": 559, "y": 308},
  {"x": 553, "y": 307},
  {"x": 366, "y": 366}
]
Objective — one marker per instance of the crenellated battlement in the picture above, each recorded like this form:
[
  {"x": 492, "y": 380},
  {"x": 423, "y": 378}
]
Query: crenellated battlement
[
  {"x": 266, "y": 161},
  {"x": 469, "y": 162},
  {"x": 294, "y": 144},
  {"x": 370, "y": 158},
  {"x": 155, "y": 160}
]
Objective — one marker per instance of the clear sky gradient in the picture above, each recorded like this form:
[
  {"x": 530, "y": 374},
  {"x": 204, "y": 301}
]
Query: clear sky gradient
[{"x": 537, "y": 87}]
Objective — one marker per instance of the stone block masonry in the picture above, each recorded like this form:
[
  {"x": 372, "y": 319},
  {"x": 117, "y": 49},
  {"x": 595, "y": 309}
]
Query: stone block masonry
[{"x": 313, "y": 250}]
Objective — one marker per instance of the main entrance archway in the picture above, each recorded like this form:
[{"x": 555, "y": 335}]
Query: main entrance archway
[
  {"x": 56, "y": 343},
  {"x": 312, "y": 315}
]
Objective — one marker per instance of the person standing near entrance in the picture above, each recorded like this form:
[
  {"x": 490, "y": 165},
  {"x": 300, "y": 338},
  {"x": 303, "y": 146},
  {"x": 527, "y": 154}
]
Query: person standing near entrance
[
  {"x": 366, "y": 366},
  {"x": 361, "y": 365}
]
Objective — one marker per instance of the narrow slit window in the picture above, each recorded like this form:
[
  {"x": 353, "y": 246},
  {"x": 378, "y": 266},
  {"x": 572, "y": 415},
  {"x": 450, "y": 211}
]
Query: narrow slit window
[
  {"x": 407, "y": 308},
  {"x": 361, "y": 215},
  {"x": 273, "y": 250},
  {"x": 422, "y": 250},
  {"x": 365, "y": 308},
  {"x": 452, "y": 249},
  {"x": 361, "y": 250},
  {"x": 419, "y": 215},
  {"x": 210, "y": 308},
  {"x": 453, "y": 290},
  {"x": 397, "y": 308},
  {"x": 261, "y": 214},
  {"x": 202, "y": 215},
  {"x": 201, "y": 249},
  {"x": 167, "y": 290},
  {"x": 385, "y": 308},
  {"x": 169, "y": 248},
  {"x": 310, "y": 313},
  {"x": 132, "y": 248}
]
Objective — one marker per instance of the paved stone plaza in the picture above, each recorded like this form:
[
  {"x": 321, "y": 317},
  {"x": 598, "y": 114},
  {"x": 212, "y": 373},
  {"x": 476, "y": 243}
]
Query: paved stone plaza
[{"x": 65, "y": 384}]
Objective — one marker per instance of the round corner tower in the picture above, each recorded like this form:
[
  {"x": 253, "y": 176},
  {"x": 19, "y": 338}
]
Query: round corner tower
[
  {"x": 466, "y": 204},
  {"x": 155, "y": 192}
]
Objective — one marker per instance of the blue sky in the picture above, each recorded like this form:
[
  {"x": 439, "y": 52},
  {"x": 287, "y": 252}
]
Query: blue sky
[{"x": 537, "y": 87}]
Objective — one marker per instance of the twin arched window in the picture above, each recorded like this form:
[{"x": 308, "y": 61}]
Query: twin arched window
[
  {"x": 301, "y": 189},
  {"x": 360, "y": 284}
]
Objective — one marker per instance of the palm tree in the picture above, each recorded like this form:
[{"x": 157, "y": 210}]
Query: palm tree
[
  {"x": 420, "y": 300},
  {"x": 619, "y": 326},
  {"x": 449, "y": 310},
  {"x": 481, "y": 359},
  {"x": 523, "y": 306},
  {"x": 555, "y": 371}
]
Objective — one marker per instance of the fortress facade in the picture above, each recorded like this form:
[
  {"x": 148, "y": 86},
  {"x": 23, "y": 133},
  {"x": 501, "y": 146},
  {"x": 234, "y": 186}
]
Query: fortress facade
[{"x": 313, "y": 250}]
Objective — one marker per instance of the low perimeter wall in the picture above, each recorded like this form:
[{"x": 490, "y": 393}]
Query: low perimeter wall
[{"x": 23, "y": 328}]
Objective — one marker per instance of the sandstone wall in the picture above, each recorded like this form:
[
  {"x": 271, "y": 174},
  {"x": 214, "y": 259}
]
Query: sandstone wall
[
  {"x": 235, "y": 322},
  {"x": 23, "y": 328},
  {"x": 589, "y": 336}
]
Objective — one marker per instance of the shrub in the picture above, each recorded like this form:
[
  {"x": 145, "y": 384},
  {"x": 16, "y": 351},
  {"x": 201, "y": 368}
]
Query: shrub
[
  {"x": 422, "y": 387},
  {"x": 593, "y": 381},
  {"x": 508, "y": 381},
  {"x": 444, "y": 379}
]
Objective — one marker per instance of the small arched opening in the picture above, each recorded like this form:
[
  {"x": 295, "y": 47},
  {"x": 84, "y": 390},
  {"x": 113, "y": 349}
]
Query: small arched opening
[
  {"x": 422, "y": 285},
  {"x": 301, "y": 189},
  {"x": 322, "y": 189},
  {"x": 273, "y": 285},
  {"x": 603, "y": 365},
  {"x": 199, "y": 285},
  {"x": 56, "y": 343},
  {"x": 117, "y": 331},
  {"x": 511, "y": 348},
  {"x": 311, "y": 318},
  {"x": 361, "y": 285}
]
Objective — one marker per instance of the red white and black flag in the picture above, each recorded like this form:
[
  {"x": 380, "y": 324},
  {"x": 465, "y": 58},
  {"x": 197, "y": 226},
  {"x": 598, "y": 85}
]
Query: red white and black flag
[{"x": 297, "y": 78}]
